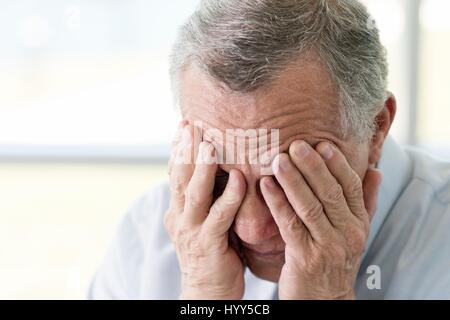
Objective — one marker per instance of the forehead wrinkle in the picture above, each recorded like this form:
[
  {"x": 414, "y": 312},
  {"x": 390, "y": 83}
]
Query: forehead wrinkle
[
  {"x": 312, "y": 130},
  {"x": 287, "y": 134},
  {"x": 257, "y": 110},
  {"x": 301, "y": 101},
  {"x": 307, "y": 112},
  {"x": 252, "y": 172},
  {"x": 215, "y": 116}
]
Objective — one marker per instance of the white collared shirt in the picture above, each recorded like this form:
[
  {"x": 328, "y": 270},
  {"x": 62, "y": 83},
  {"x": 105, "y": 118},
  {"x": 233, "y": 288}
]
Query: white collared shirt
[{"x": 409, "y": 241}]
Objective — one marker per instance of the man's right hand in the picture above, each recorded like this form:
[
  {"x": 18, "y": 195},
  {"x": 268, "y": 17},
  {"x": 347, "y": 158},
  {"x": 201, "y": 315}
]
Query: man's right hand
[{"x": 199, "y": 229}]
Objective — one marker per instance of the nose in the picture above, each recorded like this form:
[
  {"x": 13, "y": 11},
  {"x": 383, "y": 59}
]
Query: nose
[{"x": 254, "y": 223}]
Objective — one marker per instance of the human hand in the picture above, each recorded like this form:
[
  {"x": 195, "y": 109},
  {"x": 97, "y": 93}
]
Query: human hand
[
  {"x": 199, "y": 228},
  {"x": 323, "y": 211}
]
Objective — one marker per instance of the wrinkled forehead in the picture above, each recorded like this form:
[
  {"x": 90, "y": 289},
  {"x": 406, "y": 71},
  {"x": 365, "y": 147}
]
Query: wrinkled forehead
[
  {"x": 251, "y": 149},
  {"x": 250, "y": 129}
]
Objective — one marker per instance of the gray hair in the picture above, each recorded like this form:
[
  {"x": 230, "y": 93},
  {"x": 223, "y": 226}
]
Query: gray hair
[{"x": 244, "y": 44}]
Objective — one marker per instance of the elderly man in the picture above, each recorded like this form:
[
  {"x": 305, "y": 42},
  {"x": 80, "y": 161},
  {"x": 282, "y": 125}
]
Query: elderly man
[{"x": 335, "y": 209}]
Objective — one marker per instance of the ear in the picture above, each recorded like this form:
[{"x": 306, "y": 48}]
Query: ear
[{"x": 383, "y": 122}]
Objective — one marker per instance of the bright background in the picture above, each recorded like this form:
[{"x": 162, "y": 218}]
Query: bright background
[{"x": 86, "y": 117}]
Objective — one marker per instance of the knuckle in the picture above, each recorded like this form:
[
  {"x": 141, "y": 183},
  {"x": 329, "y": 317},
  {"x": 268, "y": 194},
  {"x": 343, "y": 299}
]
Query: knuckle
[
  {"x": 312, "y": 212},
  {"x": 364, "y": 224},
  {"x": 178, "y": 187},
  {"x": 333, "y": 194},
  {"x": 219, "y": 213},
  {"x": 192, "y": 197},
  {"x": 191, "y": 244},
  {"x": 293, "y": 224},
  {"x": 340, "y": 255},
  {"x": 178, "y": 233},
  {"x": 183, "y": 237},
  {"x": 230, "y": 199},
  {"x": 356, "y": 240},
  {"x": 284, "y": 207},
  {"x": 355, "y": 186},
  {"x": 331, "y": 256},
  {"x": 341, "y": 260},
  {"x": 318, "y": 261}
]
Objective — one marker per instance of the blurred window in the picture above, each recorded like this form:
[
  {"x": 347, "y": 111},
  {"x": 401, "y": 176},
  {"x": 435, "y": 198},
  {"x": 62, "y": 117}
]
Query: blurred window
[
  {"x": 87, "y": 74},
  {"x": 434, "y": 77},
  {"x": 87, "y": 77}
]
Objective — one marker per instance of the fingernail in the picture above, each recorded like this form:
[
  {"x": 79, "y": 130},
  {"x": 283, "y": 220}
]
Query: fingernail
[
  {"x": 301, "y": 149},
  {"x": 326, "y": 151},
  {"x": 276, "y": 165},
  {"x": 281, "y": 164}
]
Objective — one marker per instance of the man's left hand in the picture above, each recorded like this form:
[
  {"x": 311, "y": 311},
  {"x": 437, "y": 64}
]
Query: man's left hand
[{"x": 323, "y": 211}]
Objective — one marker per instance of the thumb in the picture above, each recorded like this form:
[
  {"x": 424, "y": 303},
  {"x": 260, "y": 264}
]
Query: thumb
[{"x": 371, "y": 188}]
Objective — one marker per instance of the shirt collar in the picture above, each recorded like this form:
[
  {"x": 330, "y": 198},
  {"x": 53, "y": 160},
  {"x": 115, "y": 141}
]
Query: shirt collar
[{"x": 396, "y": 167}]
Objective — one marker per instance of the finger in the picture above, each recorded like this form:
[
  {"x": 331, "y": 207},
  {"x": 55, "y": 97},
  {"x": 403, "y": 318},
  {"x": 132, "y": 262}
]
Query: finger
[
  {"x": 223, "y": 211},
  {"x": 322, "y": 183},
  {"x": 175, "y": 142},
  {"x": 371, "y": 188},
  {"x": 290, "y": 225},
  {"x": 197, "y": 138},
  {"x": 301, "y": 198},
  {"x": 190, "y": 141},
  {"x": 235, "y": 243},
  {"x": 346, "y": 176},
  {"x": 198, "y": 195},
  {"x": 182, "y": 169},
  {"x": 183, "y": 164}
]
